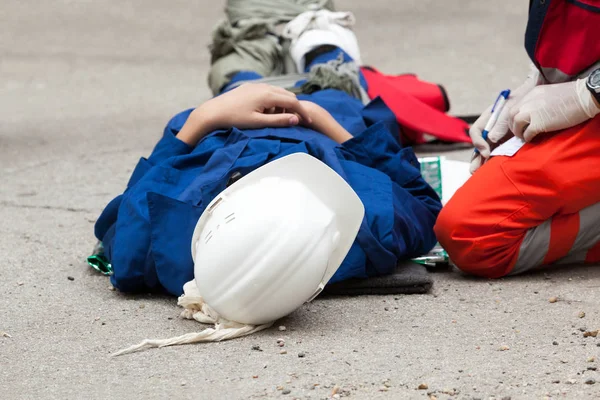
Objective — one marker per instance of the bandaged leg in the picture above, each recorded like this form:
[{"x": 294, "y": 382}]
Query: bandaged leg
[
  {"x": 247, "y": 41},
  {"x": 313, "y": 29},
  {"x": 250, "y": 46},
  {"x": 329, "y": 68},
  {"x": 537, "y": 208},
  {"x": 335, "y": 69}
]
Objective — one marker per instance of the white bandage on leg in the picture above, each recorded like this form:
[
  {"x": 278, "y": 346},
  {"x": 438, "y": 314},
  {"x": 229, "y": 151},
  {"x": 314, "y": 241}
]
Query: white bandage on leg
[{"x": 312, "y": 29}]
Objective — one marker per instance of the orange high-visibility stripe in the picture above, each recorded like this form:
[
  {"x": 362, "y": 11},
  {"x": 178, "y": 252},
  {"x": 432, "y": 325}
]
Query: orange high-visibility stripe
[
  {"x": 593, "y": 255},
  {"x": 563, "y": 233}
]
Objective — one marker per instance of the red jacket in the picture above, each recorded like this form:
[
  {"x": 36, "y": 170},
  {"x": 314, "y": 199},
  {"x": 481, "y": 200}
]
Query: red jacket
[{"x": 563, "y": 37}]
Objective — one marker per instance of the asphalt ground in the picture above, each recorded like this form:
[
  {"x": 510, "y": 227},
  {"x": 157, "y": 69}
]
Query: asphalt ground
[{"x": 85, "y": 90}]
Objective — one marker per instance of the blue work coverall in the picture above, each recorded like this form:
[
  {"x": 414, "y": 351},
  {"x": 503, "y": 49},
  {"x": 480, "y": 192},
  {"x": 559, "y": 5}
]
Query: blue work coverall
[{"x": 147, "y": 230}]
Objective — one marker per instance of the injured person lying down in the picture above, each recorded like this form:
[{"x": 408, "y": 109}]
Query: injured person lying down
[{"x": 267, "y": 191}]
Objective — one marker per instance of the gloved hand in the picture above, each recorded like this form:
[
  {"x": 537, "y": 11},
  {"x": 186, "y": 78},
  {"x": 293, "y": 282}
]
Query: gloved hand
[
  {"x": 501, "y": 128},
  {"x": 550, "y": 108}
]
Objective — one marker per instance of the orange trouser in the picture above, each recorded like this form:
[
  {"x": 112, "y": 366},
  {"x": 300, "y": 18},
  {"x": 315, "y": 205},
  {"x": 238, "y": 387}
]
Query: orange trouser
[{"x": 539, "y": 207}]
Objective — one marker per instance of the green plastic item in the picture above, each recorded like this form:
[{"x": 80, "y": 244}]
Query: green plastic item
[
  {"x": 435, "y": 258},
  {"x": 98, "y": 260},
  {"x": 431, "y": 169}
]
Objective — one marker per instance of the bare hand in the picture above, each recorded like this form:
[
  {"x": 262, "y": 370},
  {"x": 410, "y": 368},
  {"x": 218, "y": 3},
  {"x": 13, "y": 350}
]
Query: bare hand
[
  {"x": 249, "y": 106},
  {"x": 323, "y": 122}
]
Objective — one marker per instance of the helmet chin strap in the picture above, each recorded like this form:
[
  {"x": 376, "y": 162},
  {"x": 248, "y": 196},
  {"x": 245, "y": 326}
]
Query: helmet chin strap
[{"x": 195, "y": 308}]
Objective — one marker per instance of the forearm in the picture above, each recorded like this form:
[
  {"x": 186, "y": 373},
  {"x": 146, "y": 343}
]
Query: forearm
[
  {"x": 330, "y": 127},
  {"x": 196, "y": 127},
  {"x": 324, "y": 123},
  {"x": 204, "y": 120}
]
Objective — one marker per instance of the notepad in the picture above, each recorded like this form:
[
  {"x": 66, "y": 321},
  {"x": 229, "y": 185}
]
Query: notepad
[{"x": 508, "y": 148}]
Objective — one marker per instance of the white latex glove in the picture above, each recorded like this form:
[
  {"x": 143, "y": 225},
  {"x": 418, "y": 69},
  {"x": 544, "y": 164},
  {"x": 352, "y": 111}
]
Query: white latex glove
[
  {"x": 550, "y": 108},
  {"x": 501, "y": 128}
]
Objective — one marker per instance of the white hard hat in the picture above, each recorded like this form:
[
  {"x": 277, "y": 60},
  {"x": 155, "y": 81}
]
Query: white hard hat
[{"x": 272, "y": 240}]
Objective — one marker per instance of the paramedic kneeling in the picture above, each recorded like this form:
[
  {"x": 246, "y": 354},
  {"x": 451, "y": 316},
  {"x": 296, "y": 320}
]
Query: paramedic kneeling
[{"x": 540, "y": 206}]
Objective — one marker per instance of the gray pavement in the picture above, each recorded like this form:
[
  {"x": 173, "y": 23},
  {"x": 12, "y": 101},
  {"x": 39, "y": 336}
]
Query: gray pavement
[{"x": 85, "y": 90}]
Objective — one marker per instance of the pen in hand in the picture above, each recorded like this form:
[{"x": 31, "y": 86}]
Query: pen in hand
[{"x": 496, "y": 110}]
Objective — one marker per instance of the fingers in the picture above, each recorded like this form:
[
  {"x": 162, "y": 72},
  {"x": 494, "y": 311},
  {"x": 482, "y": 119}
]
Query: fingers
[
  {"x": 479, "y": 142},
  {"x": 519, "y": 122},
  {"x": 275, "y": 120},
  {"x": 479, "y": 124},
  {"x": 522, "y": 114},
  {"x": 289, "y": 103},
  {"x": 476, "y": 162},
  {"x": 524, "y": 121},
  {"x": 500, "y": 128},
  {"x": 535, "y": 127},
  {"x": 476, "y": 133},
  {"x": 275, "y": 98},
  {"x": 530, "y": 132},
  {"x": 282, "y": 91}
]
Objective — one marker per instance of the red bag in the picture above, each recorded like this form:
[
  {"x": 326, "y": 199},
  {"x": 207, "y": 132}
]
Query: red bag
[{"x": 420, "y": 107}]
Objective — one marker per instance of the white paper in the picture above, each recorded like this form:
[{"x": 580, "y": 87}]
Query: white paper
[
  {"x": 508, "y": 148},
  {"x": 454, "y": 175}
]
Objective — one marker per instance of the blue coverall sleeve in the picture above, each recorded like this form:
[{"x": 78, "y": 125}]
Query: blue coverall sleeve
[
  {"x": 395, "y": 189},
  {"x": 168, "y": 146}
]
